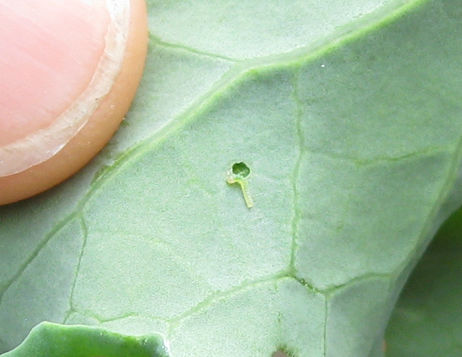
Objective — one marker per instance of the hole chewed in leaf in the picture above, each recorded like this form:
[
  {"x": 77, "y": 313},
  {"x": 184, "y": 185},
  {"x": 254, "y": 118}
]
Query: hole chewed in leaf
[
  {"x": 53, "y": 340},
  {"x": 241, "y": 170},
  {"x": 279, "y": 354},
  {"x": 283, "y": 352}
]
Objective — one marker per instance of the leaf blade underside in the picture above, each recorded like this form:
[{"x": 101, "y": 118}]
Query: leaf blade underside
[{"x": 353, "y": 138}]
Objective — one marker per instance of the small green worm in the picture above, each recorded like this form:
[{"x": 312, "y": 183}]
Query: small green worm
[{"x": 238, "y": 174}]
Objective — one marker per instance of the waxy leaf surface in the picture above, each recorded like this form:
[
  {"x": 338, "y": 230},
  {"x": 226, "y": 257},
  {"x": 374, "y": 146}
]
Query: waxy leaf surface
[{"x": 347, "y": 114}]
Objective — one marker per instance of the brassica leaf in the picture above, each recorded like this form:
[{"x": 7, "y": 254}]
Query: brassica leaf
[{"x": 348, "y": 116}]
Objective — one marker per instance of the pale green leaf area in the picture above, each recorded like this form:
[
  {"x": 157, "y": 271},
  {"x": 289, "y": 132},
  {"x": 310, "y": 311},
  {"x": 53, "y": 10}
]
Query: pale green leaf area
[
  {"x": 347, "y": 114},
  {"x": 427, "y": 320}
]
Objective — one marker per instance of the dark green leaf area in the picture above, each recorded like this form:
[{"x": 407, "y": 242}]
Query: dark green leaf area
[
  {"x": 241, "y": 170},
  {"x": 427, "y": 320},
  {"x": 53, "y": 340}
]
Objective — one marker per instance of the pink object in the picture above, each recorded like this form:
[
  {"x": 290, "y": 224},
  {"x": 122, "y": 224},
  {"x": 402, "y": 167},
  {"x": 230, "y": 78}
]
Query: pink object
[
  {"x": 48, "y": 55},
  {"x": 58, "y": 61}
]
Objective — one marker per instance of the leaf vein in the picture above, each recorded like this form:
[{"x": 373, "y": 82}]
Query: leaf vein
[
  {"x": 220, "y": 295},
  {"x": 296, "y": 173},
  {"x": 57, "y": 228},
  {"x": 79, "y": 261},
  {"x": 159, "y": 42}
]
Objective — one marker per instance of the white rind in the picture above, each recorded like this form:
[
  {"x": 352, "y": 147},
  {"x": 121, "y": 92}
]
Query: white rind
[{"x": 40, "y": 146}]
